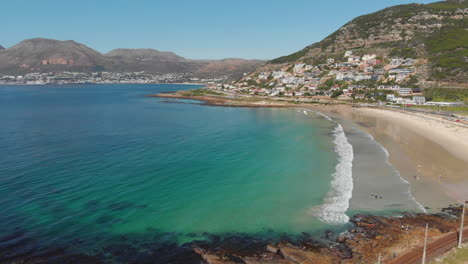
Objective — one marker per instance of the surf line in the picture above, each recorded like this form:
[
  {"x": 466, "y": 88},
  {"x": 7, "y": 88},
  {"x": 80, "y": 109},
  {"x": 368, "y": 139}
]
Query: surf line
[
  {"x": 387, "y": 155},
  {"x": 336, "y": 202}
]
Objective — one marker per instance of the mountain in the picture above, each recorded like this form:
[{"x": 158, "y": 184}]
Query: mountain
[
  {"x": 144, "y": 55},
  {"x": 435, "y": 34},
  {"x": 157, "y": 61},
  {"x": 1, "y": 48},
  {"x": 234, "y": 66},
  {"x": 48, "y": 55},
  {"x": 150, "y": 60}
]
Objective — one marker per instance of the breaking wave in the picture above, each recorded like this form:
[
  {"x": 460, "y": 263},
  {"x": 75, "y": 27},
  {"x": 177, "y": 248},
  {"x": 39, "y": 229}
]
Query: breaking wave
[{"x": 336, "y": 202}]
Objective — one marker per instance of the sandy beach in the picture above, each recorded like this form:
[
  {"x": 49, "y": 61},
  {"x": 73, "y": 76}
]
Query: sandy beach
[{"x": 429, "y": 152}]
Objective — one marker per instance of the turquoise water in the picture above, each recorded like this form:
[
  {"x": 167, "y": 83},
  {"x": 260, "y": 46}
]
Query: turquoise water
[{"x": 82, "y": 165}]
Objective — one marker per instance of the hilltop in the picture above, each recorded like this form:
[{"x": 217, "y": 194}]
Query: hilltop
[
  {"x": 432, "y": 34},
  {"x": 144, "y": 55},
  {"x": 49, "y": 55}
]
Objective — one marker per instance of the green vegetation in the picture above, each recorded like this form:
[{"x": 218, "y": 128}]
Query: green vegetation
[
  {"x": 336, "y": 93},
  {"x": 365, "y": 23},
  {"x": 446, "y": 5},
  {"x": 449, "y": 38},
  {"x": 329, "y": 83},
  {"x": 292, "y": 57},
  {"x": 403, "y": 53},
  {"x": 448, "y": 49},
  {"x": 199, "y": 92},
  {"x": 251, "y": 82},
  {"x": 412, "y": 82},
  {"x": 446, "y": 94},
  {"x": 459, "y": 256}
]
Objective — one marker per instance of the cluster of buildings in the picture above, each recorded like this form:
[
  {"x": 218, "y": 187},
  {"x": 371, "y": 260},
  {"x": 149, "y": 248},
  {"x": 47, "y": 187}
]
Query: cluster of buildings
[
  {"x": 345, "y": 75},
  {"x": 353, "y": 77},
  {"x": 419, "y": 100},
  {"x": 104, "y": 77}
]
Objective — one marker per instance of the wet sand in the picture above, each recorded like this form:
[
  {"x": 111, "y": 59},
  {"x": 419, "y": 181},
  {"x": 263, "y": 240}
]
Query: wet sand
[{"x": 429, "y": 152}]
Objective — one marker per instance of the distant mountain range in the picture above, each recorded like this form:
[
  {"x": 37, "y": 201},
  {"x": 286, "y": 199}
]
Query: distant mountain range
[
  {"x": 1, "y": 48},
  {"x": 434, "y": 33},
  {"x": 46, "y": 55}
]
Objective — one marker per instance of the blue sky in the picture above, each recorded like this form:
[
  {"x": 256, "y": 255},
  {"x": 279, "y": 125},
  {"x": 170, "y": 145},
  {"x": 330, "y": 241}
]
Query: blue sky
[{"x": 197, "y": 29}]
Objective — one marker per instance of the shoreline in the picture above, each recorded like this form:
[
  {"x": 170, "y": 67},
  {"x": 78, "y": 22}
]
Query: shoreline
[
  {"x": 396, "y": 238},
  {"x": 429, "y": 152},
  {"x": 393, "y": 235}
]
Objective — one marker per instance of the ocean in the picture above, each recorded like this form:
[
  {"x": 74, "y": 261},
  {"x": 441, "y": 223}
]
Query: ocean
[{"x": 102, "y": 169}]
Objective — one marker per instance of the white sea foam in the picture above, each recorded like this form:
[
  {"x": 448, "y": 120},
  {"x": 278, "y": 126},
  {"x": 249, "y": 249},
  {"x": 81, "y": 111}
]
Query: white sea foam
[
  {"x": 324, "y": 116},
  {"x": 337, "y": 200}
]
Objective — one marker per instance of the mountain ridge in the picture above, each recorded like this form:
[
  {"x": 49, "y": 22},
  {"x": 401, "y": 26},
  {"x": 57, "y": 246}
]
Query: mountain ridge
[
  {"x": 149, "y": 54},
  {"x": 50, "y": 55}
]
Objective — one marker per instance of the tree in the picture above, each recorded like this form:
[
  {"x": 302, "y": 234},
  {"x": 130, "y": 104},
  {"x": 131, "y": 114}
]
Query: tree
[
  {"x": 329, "y": 83},
  {"x": 336, "y": 93}
]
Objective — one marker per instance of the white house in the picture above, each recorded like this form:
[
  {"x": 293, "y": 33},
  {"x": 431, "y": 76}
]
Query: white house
[
  {"x": 368, "y": 57},
  {"x": 404, "y": 101},
  {"x": 348, "y": 53},
  {"x": 404, "y": 91},
  {"x": 396, "y": 61},
  {"x": 352, "y": 58},
  {"x": 419, "y": 99}
]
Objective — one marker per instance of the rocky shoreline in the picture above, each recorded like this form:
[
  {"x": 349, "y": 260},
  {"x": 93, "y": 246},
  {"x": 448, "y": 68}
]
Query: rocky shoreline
[{"x": 369, "y": 236}]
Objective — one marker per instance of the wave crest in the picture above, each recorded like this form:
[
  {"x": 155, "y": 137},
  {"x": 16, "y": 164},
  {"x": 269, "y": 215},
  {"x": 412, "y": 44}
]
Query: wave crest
[
  {"x": 337, "y": 200},
  {"x": 336, "y": 203}
]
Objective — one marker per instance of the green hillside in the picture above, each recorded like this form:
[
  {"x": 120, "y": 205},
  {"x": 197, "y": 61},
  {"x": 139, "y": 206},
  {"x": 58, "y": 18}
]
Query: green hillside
[{"x": 436, "y": 32}]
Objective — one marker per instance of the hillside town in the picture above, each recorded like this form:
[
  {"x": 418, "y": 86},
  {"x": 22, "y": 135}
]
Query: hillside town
[
  {"x": 366, "y": 78},
  {"x": 65, "y": 77}
]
